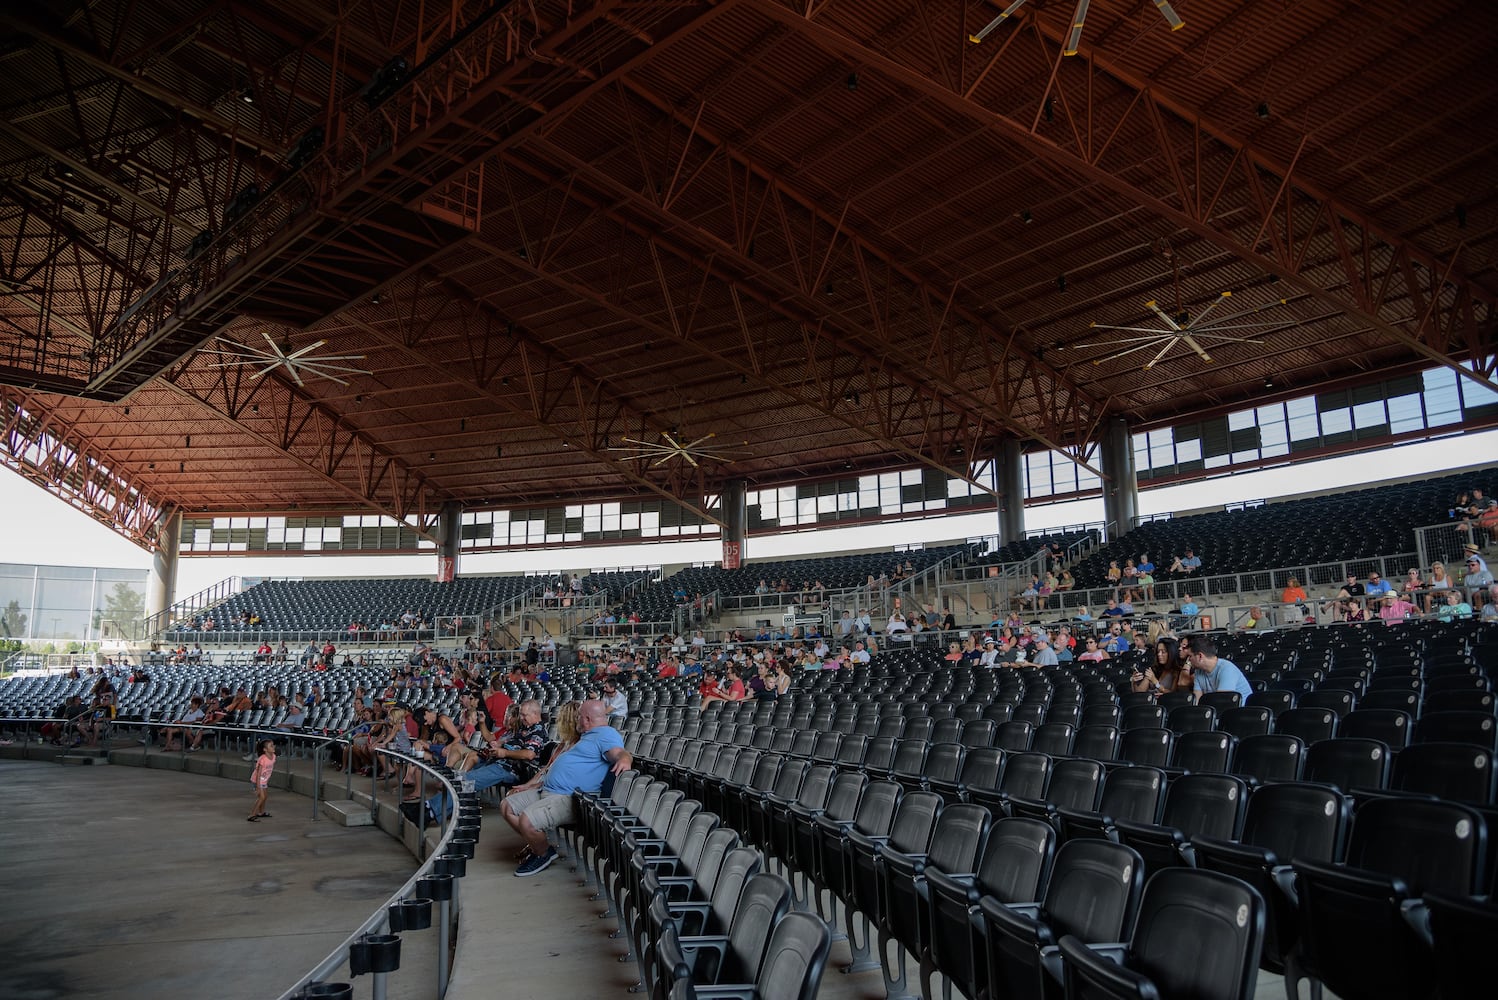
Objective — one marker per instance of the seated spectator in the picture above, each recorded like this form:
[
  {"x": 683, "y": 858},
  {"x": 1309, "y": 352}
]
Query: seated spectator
[
  {"x": 1377, "y": 586},
  {"x": 1395, "y": 608},
  {"x": 1454, "y": 607},
  {"x": 1438, "y": 583},
  {"x": 616, "y": 702},
  {"x": 236, "y": 705},
  {"x": 1209, "y": 672},
  {"x": 296, "y": 715},
  {"x": 263, "y": 652},
  {"x": 1066, "y": 582},
  {"x": 729, "y": 688},
  {"x": 1093, "y": 652},
  {"x": 1412, "y": 583},
  {"x": 192, "y": 716},
  {"x": 1191, "y": 563},
  {"x": 1253, "y": 621},
  {"x": 1477, "y": 581},
  {"x": 514, "y": 759},
  {"x": 1490, "y": 604},
  {"x": 546, "y": 801},
  {"x": 1113, "y": 610},
  {"x": 66, "y": 715}
]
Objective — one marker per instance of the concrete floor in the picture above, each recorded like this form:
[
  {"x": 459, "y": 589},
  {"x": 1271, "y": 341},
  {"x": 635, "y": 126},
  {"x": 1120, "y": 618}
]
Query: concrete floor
[
  {"x": 125, "y": 882},
  {"x": 124, "y": 874}
]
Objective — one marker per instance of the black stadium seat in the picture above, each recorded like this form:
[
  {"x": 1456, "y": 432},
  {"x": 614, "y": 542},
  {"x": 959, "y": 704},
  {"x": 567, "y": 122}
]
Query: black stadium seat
[{"x": 1222, "y": 917}]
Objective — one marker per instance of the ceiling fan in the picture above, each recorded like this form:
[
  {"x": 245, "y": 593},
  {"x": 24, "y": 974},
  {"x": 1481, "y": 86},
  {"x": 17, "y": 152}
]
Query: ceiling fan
[
  {"x": 673, "y": 445},
  {"x": 1197, "y": 331},
  {"x": 1074, "y": 38},
  {"x": 296, "y": 363}
]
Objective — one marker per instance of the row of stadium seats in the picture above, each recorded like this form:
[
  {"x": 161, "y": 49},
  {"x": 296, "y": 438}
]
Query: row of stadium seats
[
  {"x": 893, "y": 851},
  {"x": 1350, "y": 524}
]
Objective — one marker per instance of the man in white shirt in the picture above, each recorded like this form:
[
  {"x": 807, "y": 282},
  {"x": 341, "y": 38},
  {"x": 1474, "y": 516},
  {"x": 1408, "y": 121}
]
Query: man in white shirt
[
  {"x": 616, "y": 702},
  {"x": 896, "y": 625},
  {"x": 859, "y": 654}
]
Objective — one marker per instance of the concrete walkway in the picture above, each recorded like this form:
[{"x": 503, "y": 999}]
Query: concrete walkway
[{"x": 125, "y": 882}]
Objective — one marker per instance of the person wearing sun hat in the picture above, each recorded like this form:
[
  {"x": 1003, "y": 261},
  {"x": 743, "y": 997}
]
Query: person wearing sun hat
[
  {"x": 1470, "y": 551},
  {"x": 1477, "y": 580}
]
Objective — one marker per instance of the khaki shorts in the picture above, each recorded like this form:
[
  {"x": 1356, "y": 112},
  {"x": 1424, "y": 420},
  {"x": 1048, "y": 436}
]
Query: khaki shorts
[{"x": 546, "y": 810}]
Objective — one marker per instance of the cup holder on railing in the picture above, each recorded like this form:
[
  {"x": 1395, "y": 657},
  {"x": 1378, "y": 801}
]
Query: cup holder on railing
[
  {"x": 414, "y": 914},
  {"x": 375, "y": 953},
  {"x": 462, "y": 845},
  {"x": 451, "y": 864},
  {"x": 436, "y": 887},
  {"x": 327, "y": 991},
  {"x": 468, "y": 831}
]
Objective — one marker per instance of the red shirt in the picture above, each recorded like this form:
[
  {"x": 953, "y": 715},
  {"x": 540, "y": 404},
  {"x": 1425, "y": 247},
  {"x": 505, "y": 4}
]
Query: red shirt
[
  {"x": 668, "y": 670},
  {"x": 498, "y": 704}
]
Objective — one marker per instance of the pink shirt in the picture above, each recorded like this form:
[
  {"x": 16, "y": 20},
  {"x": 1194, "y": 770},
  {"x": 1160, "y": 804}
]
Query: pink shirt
[
  {"x": 263, "y": 767},
  {"x": 1396, "y": 611}
]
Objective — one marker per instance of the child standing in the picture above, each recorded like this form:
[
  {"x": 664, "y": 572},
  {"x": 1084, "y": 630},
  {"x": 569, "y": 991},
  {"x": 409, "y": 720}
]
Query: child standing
[{"x": 260, "y": 778}]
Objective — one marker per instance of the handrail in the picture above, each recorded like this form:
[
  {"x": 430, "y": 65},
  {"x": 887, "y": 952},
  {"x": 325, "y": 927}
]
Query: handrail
[
  {"x": 377, "y": 921},
  {"x": 204, "y": 599}
]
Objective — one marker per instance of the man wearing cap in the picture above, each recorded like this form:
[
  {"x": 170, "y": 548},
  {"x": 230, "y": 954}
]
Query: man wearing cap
[
  {"x": 1044, "y": 655},
  {"x": 1395, "y": 609},
  {"x": 1470, "y": 551},
  {"x": 1477, "y": 581}
]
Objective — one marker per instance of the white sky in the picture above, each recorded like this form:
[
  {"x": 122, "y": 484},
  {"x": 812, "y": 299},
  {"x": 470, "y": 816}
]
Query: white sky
[{"x": 44, "y": 529}]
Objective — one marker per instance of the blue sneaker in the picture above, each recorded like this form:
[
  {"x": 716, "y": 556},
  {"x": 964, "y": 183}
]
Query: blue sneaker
[{"x": 533, "y": 866}]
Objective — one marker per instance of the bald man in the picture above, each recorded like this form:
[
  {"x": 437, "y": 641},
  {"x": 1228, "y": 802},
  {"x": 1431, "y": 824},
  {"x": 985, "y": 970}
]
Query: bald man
[{"x": 545, "y": 802}]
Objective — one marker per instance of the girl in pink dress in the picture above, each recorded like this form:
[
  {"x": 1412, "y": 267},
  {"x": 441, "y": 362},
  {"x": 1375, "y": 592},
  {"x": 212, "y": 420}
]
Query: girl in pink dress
[{"x": 260, "y": 779}]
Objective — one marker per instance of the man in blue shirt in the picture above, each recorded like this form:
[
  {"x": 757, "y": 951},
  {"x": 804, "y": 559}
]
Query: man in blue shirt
[
  {"x": 1212, "y": 673},
  {"x": 545, "y": 802},
  {"x": 1376, "y": 585}
]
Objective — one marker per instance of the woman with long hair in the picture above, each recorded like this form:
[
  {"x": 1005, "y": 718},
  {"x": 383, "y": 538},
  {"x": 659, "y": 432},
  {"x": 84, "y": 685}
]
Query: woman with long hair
[{"x": 1163, "y": 675}]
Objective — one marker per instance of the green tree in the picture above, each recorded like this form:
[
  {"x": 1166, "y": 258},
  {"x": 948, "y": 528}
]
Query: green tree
[
  {"x": 12, "y": 622},
  {"x": 125, "y": 605}
]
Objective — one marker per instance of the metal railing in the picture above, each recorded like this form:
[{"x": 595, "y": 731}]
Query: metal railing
[
  {"x": 1444, "y": 543},
  {"x": 203, "y": 600},
  {"x": 643, "y": 632},
  {"x": 378, "y": 921},
  {"x": 998, "y": 593}
]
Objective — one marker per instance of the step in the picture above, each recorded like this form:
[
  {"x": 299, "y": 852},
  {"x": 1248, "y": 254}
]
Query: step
[
  {"x": 347, "y": 812},
  {"x": 80, "y": 758}
]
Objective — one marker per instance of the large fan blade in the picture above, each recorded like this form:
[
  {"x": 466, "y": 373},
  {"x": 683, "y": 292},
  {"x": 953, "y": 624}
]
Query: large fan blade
[
  {"x": 987, "y": 28},
  {"x": 1191, "y": 343},
  {"x": 1171, "y": 341},
  {"x": 1153, "y": 307},
  {"x": 1196, "y": 320},
  {"x": 1230, "y": 317},
  {"x": 1176, "y": 24},
  {"x": 1074, "y": 39},
  {"x": 1156, "y": 359}
]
